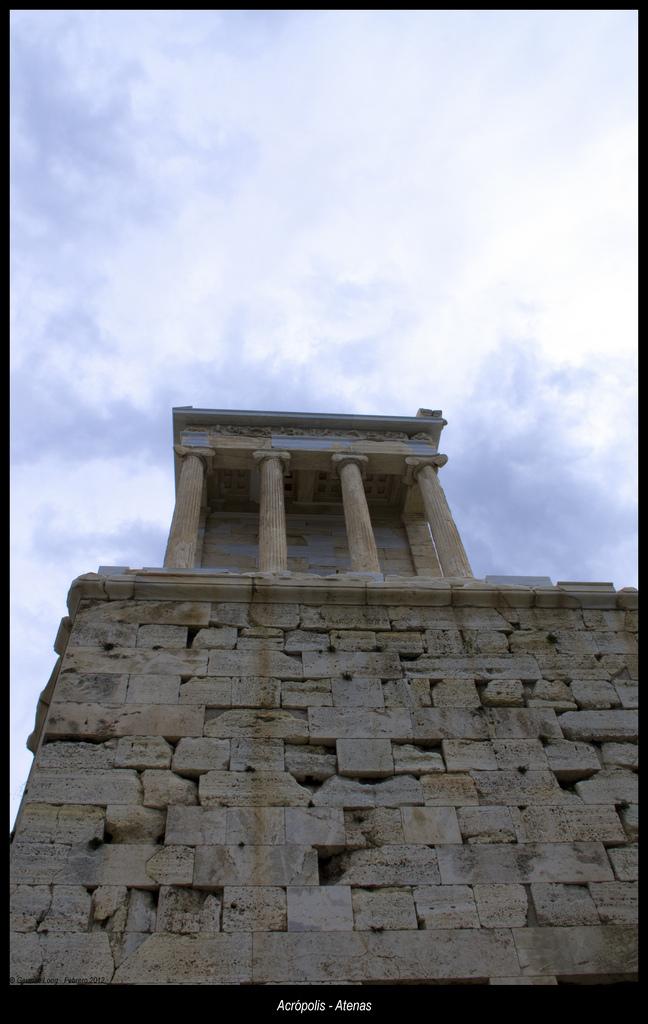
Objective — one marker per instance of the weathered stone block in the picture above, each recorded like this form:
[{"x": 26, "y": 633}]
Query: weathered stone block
[
  {"x": 564, "y": 905},
  {"x": 486, "y": 824},
  {"x": 357, "y": 692},
  {"x": 188, "y": 911},
  {"x": 110, "y": 907},
  {"x": 29, "y": 904},
  {"x": 380, "y": 909},
  {"x": 628, "y": 694},
  {"x": 535, "y": 862},
  {"x": 365, "y": 758},
  {"x": 403, "y": 643},
  {"x": 567, "y": 824},
  {"x": 75, "y": 823},
  {"x": 142, "y": 911},
  {"x": 285, "y": 616},
  {"x": 609, "y": 786},
  {"x": 339, "y": 792},
  {"x": 432, "y": 724},
  {"x": 264, "y": 754},
  {"x": 513, "y": 788},
  {"x": 94, "y": 721},
  {"x": 430, "y": 825},
  {"x": 591, "y": 694},
  {"x": 501, "y": 906},
  {"x": 308, "y": 761},
  {"x": 616, "y": 902},
  {"x": 153, "y": 689},
  {"x": 269, "y": 664},
  {"x": 69, "y": 910},
  {"x": 162, "y": 788},
  {"x": 215, "y": 693},
  {"x": 373, "y": 827},
  {"x": 577, "y": 951},
  {"x": 143, "y": 752},
  {"x": 523, "y": 723},
  {"x": 255, "y": 908},
  {"x": 195, "y": 755},
  {"x": 160, "y": 636},
  {"x": 221, "y": 638},
  {"x": 253, "y": 692},
  {"x": 620, "y": 755},
  {"x": 188, "y": 960},
  {"x": 129, "y": 824},
  {"x": 102, "y": 688},
  {"x": 25, "y": 958},
  {"x": 328, "y": 617},
  {"x": 258, "y": 724},
  {"x": 600, "y": 726},
  {"x": 304, "y": 640},
  {"x": 82, "y": 957},
  {"x": 76, "y": 756},
  {"x": 571, "y": 761},
  {"x": 387, "y": 865},
  {"x": 96, "y": 633},
  {"x": 625, "y": 861},
  {"x": 137, "y": 660},
  {"x": 255, "y": 826},
  {"x": 171, "y": 865},
  {"x": 321, "y": 827},
  {"x": 449, "y": 790},
  {"x": 516, "y": 754},
  {"x": 461, "y": 755},
  {"x": 330, "y": 724},
  {"x": 57, "y": 786},
  {"x": 229, "y": 614},
  {"x": 503, "y": 693},
  {"x": 407, "y": 693},
  {"x": 404, "y": 789},
  {"x": 385, "y": 665},
  {"x": 217, "y": 866},
  {"x": 454, "y": 693},
  {"x": 482, "y": 667},
  {"x": 194, "y": 826},
  {"x": 444, "y": 643},
  {"x": 412, "y": 760},
  {"x": 254, "y": 789},
  {"x": 352, "y": 640},
  {"x": 185, "y": 613},
  {"x": 551, "y": 693},
  {"x": 306, "y": 693},
  {"x": 446, "y": 906},
  {"x": 319, "y": 908}
]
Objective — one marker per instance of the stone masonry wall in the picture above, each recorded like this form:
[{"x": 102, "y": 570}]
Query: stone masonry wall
[{"x": 267, "y": 792}]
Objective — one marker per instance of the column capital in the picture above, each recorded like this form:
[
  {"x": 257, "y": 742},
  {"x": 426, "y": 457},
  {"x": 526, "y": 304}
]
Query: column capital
[
  {"x": 204, "y": 454},
  {"x": 271, "y": 453},
  {"x": 414, "y": 465},
  {"x": 340, "y": 459}
]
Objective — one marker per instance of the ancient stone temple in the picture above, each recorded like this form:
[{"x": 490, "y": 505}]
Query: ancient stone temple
[{"x": 313, "y": 749}]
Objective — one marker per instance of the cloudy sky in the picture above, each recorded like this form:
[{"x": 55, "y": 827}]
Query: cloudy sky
[{"x": 362, "y": 212}]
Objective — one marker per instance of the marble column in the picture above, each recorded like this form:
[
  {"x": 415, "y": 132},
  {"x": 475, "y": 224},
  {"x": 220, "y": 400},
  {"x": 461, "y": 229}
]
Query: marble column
[
  {"x": 273, "y": 547},
  {"x": 183, "y": 535},
  {"x": 362, "y": 544},
  {"x": 450, "y": 550}
]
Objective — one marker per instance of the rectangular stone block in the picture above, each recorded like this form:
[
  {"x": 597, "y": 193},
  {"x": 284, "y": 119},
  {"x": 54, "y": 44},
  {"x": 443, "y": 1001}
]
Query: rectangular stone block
[
  {"x": 446, "y": 906},
  {"x": 501, "y": 906},
  {"x": 100, "y": 688},
  {"x": 592, "y": 694},
  {"x": 254, "y": 789},
  {"x": 215, "y": 693},
  {"x": 195, "y": 826},
  {"x": 502, "y": 693},
  {"x": 360, "y": 691},
  {"x": 520, "y": 754},
  {"x": 609, "y": 786},
  {"x": 304, "y": 640},
  {"x": 74, "y": 823},
  {"x": 449, "y": 790},
  {"x": 97, "y": 632},
  {"x": 255, "y": 692},
  {"x": 620, "y": 755},
  {"x": 431, "y": 724},
  {"x": 321, "y": 827},
  {"x": 411, "y": 759},
  {"x": 93, "y": 721},
  {"x": 567, "y": 824},
  {"x": 351, "y": 640},
  {"x": 403, "y": 643},
  {"x": 269, "y": 664},
  {"x": 387, "y": 956},
  {"x": 571, "y": 761},
  {"x": 188, "y": 960},
  {"x": 380, "y": 909},
  {"x": 616, "y": 902},
  {"x": 57, "y": 786},
  {"x": 512, "y": 788},
  {"x": 29, "y": 904},
  {"x": 198, "y": 754},
  {"x": 160, "y": 636},
  {"x": 306, "y": 761},
  {"x": 254, "y": 908},
  {"x": 564, "y": 905},
  {"x": 162, "y": 788},
  {"x": 462, "y": 755},
  {"x": 365, "y": 758},
  {"x": 306, "y": 693},
  {"x": 285, "y": 616},
  {"x": 454, "y": 693},
  {"x": 387, "y": 865},
  {"x": 407, "y": 693},
  {"x": 625, "y": 861},
  {"x": 430, "y": 825},
  {"x": 445, "y": 643},
  {"x": 486, "y": 824},
  {"x": 319, "y": 908},
  {"x": 534, "y": 862},
  {"x": 217, "y": 637},
  {"x": 78, "y": 756},
  {"x": 184, "y": 613},
  {"x": 229, "y": 614},
  {"x": 371, "y": 827},
  {"x": 84, "y": 957},
  {"x": 482, "y": 667},
  {"x": 330, "y": 724},
  {"x": 326, "y": 617},
  {"x": 260, "y": 724},
  {"x": 188, "y": 911},
  {"x": 385, "y": 665},
  {"x": 137, "y": 660},
  {"x": 578, "y": 951},
  {"x": 127, "y": 823},
  {"x": 523, "y": 723},
  {"x": 600, "y": 726},
  {"x": 217, "y": 866},
  {"x": 152, "y": 689},
  {"x": 141, "y": 752}
]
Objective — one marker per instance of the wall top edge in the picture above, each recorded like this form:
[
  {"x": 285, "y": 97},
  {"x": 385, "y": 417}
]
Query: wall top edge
[
  {"x": 187, "y": 416},
  {"x": 116, "y": 583}
]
